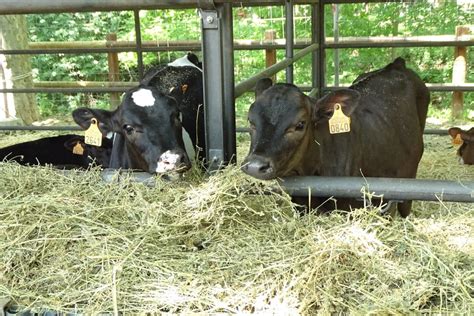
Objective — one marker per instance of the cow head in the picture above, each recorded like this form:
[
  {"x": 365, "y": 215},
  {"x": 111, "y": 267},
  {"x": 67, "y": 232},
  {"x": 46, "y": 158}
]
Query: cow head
[
  {"x": 150, "y": 124},
  {"x": 466, "y": 151},
  {"x": 281, "y": 132}
]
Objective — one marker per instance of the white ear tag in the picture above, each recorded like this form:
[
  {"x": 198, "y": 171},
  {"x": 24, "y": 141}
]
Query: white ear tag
[{"x": 143, "y": 97}]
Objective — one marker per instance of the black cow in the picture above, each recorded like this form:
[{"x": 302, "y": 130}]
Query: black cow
[
  {"x": 466, "y": 150},
  {"x": 65, "y": 151},
  {"x": 387, "y": 108},
  {"x": 148, "y": 123}
]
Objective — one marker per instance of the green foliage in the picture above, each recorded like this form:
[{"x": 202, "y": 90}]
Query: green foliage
[{"x": 358, "y": 20}]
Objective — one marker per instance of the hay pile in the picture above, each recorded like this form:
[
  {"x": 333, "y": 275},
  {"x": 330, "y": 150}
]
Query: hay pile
[{"x": 222, "y": 244}]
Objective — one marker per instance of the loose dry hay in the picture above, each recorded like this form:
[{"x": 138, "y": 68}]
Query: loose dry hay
[{"x": 226, "y": 244}]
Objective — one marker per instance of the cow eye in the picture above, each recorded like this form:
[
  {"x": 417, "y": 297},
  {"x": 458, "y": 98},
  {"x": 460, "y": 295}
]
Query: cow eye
[
  {"x": 300, "y": 126},
  {"x": 129, "y": 129}
]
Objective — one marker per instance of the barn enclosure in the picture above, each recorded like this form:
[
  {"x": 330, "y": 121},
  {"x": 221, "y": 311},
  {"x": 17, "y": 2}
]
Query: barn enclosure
[{"x": 226, "y": 243}]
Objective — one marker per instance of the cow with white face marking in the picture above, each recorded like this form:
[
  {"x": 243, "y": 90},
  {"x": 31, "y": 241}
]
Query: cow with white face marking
[{"x": 148, "y": 124}]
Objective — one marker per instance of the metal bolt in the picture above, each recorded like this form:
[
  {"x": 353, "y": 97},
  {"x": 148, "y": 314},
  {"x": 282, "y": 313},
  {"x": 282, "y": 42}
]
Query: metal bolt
[{"x": 210, "y": 19}]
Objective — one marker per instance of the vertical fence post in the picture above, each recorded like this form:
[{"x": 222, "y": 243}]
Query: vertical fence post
[
  {"x": 459, "y": 73},
  {"x": 270, "y": 53},
  {"x": 113, "y": 62},
  {"x": 289, "y": 35},
  {"x": 218, "y": 56}
]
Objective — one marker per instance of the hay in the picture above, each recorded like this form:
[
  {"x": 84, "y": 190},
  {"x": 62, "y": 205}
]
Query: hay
[{"x": 225, "y": 244}]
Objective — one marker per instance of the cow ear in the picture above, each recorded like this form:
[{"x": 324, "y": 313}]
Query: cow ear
[
  {"x": 72, "y": 142},
  {"x": 83, "y": 117},
  {"x": 454, "y": 131},
  {"x": 323, "y": 108},
  {"x": 262, "y": 85}
]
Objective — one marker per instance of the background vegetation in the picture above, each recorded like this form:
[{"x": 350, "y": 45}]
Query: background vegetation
[{"x": 375, "y": 19}]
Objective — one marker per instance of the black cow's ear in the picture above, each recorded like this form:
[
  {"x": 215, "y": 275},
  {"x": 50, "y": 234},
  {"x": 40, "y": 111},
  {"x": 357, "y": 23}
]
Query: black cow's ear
[
  {"x": 83, "y": 117},
  {"x": 72, "y": 142},
  {"x": 454, "y": 131},
  {"x": 323, "y": 108},
  {"x": 262, "y": 85}
]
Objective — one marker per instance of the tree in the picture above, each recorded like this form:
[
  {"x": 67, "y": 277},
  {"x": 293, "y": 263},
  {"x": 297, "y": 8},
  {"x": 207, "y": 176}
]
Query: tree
[{"x": 15, "y": 71}]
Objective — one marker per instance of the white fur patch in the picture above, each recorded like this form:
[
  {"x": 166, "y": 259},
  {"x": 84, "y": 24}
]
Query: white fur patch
[
  {"x": 143, "y": 97},
  {"x": 167, "y": 162},
  {"x": 183, "y": 62}
]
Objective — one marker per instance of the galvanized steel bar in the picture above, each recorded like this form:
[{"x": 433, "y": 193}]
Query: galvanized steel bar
[
  {"x": 211, "y": 25},
  {"x": 289, "y": 35},
  {"x": 320, "y": 38},
  {"x": 49, "y": 6},
  {"x": 441, "y": 132},
  {"x": 248, "y": 84},
  {"x": 154, "y": 46},
  {"x": 314, "y": 54},
  {"x": 230, "y": 142},
  {"x": 138, "y": 41},
  {"x": 390, "y": 188}
]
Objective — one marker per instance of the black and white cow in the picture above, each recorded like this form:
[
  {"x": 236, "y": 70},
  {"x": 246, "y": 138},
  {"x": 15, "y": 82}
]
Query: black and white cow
[
  {"x": 148, "y": 123},
  {"x": 64, "y": 151},
  {"x": 387, "y": 110}
]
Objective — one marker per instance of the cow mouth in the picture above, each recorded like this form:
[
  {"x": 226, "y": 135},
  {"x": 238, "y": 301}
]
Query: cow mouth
[{"x": 172, "y": 162}]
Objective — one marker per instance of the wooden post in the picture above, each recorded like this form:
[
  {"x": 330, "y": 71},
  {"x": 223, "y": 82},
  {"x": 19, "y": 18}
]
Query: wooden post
[
  {"x": 113, "y": 62},
  {"x": 459, "y": 73},
  {"x": 270, "y": 54}
]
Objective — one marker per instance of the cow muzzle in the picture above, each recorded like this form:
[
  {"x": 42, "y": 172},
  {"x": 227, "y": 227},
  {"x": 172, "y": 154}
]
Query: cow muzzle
[
  {"x": 259, "y": 167},
  {"x": 171, "y": 161}
]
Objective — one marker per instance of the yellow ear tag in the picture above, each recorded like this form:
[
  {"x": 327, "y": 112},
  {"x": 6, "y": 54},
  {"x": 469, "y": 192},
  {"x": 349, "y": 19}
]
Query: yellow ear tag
[
  {"x": 457, "y": 140},
  {"x": 184, "y": 88},
  {"x": 93, "y": 136},
  {"x": 339, "y": 122},
  {"x": 78, "y": 149}
]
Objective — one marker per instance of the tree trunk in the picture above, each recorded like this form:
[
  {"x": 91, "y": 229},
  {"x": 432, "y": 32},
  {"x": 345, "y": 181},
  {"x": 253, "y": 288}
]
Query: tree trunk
[{"x": 15, "y": 71}]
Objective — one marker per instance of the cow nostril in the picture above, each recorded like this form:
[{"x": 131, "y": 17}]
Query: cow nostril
[{"x": 264, "y": 168}]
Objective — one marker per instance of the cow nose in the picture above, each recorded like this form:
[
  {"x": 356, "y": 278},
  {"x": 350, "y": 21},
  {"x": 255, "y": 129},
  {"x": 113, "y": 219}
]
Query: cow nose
[
  {"x": 259, "y": 167},
  {"x": 173, "y": 161}
]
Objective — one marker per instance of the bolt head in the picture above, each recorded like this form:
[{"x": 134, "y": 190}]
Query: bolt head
[{"x": 210, "y": 19}]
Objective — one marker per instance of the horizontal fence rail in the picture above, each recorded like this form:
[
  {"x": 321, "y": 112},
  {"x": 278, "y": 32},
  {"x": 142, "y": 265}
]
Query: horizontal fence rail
[
  {"x": 48, "y": 6},
  {"x": 77, "y": 128},
  {"x": 109, "y": 86},
  {"x": 241, "y": 44},
  {"x": 391, "y": 189},
  {"x": 349, "y": 187}
]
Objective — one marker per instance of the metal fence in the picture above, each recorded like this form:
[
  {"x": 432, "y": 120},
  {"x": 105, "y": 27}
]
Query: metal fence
[{"x": 217, "y": 45}]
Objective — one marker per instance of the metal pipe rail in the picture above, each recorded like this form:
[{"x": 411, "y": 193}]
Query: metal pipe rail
[
  {"x": 349, "y": 187},
  {"x": 155, "y": 46},
  {"x": 48, "y": 6},
  {"x": 389, "y": 188},
  {"x": 248, "y": 84},
  {"x": 440, "y": 132}
]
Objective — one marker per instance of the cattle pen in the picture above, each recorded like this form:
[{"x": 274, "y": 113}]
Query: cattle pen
[{"x": 217, "y": 45}]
